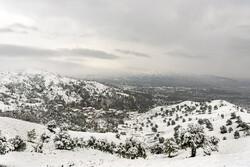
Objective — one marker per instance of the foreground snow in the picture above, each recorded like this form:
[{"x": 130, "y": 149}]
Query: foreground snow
[{"x": 93, "y": 158}]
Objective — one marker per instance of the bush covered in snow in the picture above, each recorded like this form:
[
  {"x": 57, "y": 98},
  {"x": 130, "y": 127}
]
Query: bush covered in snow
[
  {"x": 157, "y": 149},
  {"x": 105, "y": 146},
  {"x": 14, "y": 144},
  {"x": 102, "y": 145},
  {"x": 4, "y": 147},
  {"x": 210, "y": 144},
  {"x": 17, "y": 144},
  {"x": 79, "y": 142},
  {"x": 63, "y": 141},
  {"x": 131, "y": 149}
]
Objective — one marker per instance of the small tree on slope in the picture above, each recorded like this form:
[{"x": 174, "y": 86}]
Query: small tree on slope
[
  {"x": 210, "y": 144},
  {"x": 170, "y": 146},
  {"x": 31, "y": 135},
  {"x": 194, "y": 137}
]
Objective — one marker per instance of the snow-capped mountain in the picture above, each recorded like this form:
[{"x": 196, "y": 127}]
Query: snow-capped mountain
[{"x": 40, "y": 96}]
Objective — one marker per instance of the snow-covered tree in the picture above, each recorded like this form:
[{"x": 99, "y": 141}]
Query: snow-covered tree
[
  {"x": 63, "y": 141},
  {"x": 229, "y": 122},
  {"x": 194, "y": 137},
  {"x": 244, "y": 126},
  {"x": 239, "y": 120},
  {"x": 4, "y": 148},
  {"x": 236, "y": 134},
  {"x": 17, "y": 144},
  {"x": 230, "y": 129},
  {"x": 209, "y": 125},
  {"x": 170, "y": 146},
  {"x": 210, "y": 144},
  {"x": 79, "y": 142},
  {"x": 161, "y": 140},
  {"x": 132, "y": 149},
  {"x": 223, "y": 129},
  {"x": 233, "y": 115},
  {"x": 157, "y": 149}
]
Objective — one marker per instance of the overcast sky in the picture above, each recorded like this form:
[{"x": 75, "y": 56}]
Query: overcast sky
[{"x": 79, "y": 37}]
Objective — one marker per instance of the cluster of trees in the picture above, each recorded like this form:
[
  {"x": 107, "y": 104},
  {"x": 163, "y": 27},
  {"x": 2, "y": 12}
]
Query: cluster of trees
[
  {"x": 131, "y": 149},
  {"x": 206, "y": 122},
  {"x": 192, "y": 137},
  {"x": 240, "y": 124},
  {"x": 14, "y": 144}
]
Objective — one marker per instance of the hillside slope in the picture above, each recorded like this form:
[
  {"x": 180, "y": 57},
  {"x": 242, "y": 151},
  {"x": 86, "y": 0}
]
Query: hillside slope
[
  {"x": 161, "y": 121},
  {"x": 39, "y": 96}
]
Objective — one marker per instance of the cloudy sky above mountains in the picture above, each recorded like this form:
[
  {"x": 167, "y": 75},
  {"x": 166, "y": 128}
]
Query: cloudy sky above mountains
[{"x": 79, "y": 37}]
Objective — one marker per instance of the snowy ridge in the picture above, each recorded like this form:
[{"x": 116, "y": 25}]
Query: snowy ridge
[
  {"x": 50, "y": 84},
  {"x": 224, "y": 108},
  {"x": 40, "y": 96}
]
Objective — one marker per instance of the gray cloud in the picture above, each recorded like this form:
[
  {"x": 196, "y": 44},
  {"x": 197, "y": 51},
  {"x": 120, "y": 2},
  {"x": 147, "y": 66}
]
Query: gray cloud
[
  {"x": 6, "y": 30},
  {"x": 24, "y": 27},
  {"x": 87, "y": 53},
  {"x": 132, "y": 53},
  {"x": 18, "y": 28},
  {"x": 26, "y": 51},
  {"x": 183, "y": 54}
]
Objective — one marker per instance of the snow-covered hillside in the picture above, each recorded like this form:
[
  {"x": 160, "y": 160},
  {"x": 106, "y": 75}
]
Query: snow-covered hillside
[
  {"x": 231, "y": 152},
  {"x": 34, "y": 87},
  {"x": 183, "y": 114},
  {"x": 40, "y": 96}
]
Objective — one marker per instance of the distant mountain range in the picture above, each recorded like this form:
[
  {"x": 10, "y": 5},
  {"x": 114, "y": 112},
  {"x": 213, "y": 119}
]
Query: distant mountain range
[{"x": 171, "y": 79}]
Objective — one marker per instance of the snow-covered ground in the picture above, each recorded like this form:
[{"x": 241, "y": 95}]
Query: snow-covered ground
[
  {"x": 232, "y": 152},
  {"x": 91, "y": 158}
]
